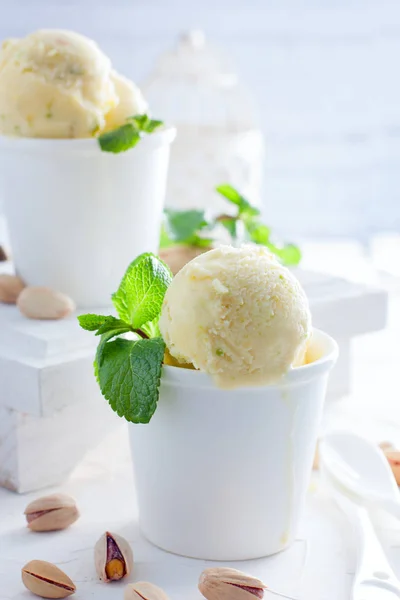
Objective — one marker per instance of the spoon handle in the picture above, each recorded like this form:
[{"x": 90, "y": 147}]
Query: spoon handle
[{"x": 373, "y": 569}]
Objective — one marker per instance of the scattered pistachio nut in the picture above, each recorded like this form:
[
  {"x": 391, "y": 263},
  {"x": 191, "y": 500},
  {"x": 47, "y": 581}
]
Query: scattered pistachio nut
[
  {"x": 222, "y": 583},
  {"x": 44, "y": 303},
  {"x": 393, "y": 457},
  {"x": 176, "y": 257},
  {"x": 51, "y": 513},
  {"x": 113, "y": 557},
  {"x": 3, "y": 254},
  {"x": 142, "y": 590},
  {"x": 11, "y": 287},
  {"x": 46, "y": 580}
]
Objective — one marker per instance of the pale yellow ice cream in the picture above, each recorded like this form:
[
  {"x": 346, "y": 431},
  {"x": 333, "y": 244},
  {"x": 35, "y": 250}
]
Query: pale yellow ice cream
[
  {"x": 59, "y": 84},
  {"x": 237, "y": 314},
  {"x": 130, "y": 101}
]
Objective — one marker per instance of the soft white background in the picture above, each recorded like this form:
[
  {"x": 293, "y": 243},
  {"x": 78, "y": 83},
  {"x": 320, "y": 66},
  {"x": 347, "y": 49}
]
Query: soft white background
[{"x": 325, "y": 76}]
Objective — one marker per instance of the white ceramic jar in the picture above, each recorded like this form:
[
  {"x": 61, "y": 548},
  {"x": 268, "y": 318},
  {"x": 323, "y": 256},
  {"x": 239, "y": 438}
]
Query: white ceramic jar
[
  {"x": 194, "y": 86},
  {"x": 223, "y": 475},
  {"x": 78, "y": 216}
]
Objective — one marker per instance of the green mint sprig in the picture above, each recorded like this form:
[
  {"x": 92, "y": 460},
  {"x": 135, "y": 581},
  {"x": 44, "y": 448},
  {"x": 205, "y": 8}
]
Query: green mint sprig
[
  {"x": 183, "y": 227},
  {"x": 256, "y": 231},
  {"x": 192, "y": 228},
  {"x": 129, "y": 370},
  {"x": 128, "y": 135}
]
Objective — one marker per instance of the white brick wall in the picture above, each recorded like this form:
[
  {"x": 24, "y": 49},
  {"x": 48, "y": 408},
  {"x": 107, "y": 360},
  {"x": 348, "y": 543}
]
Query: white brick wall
[{"x": 324, "y": 73}]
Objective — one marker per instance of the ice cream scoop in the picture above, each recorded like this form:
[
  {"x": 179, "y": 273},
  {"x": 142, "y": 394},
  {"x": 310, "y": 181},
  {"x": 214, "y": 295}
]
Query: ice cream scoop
[
  {"x": 237, "y": 314},
  {"x": 130, "y": 101},
  {"x": 59, "y": 84}
]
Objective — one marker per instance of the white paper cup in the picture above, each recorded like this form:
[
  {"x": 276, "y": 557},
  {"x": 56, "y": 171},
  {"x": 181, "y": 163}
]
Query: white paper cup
[
  {"x": 78, "y": 216},
  {"x": 223, "y": 475}
]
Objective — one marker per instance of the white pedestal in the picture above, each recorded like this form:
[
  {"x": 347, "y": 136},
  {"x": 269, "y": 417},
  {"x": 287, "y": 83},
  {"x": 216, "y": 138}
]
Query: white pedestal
[{"x": 52, "y": 412}]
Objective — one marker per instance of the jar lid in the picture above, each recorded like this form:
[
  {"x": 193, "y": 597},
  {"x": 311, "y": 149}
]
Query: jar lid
[{"x": 195, "y": 60}]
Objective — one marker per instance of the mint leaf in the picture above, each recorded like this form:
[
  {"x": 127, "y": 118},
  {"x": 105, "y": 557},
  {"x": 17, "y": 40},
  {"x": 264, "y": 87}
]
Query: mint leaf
[
  {"x": 113, "y": 324},
  {"x": 129, "y": 375},
  {"x": 91, "y": 322},
  {"x": 106, "y": 337},
  {"x": 230, "y": 224},
  {"x": 151, "y": 329},
  {"x": 141, "y": 292},
  {"x": 259, "y": 233},
  {"x": 119, "y": 140},
  {"x": 153, "y": 125},
  {"x": 102, "y": 324},
  {"x": 144, "y": 123},
  {"x": 165, "y": 240},
  {"x": 290, "y": 255},
  {"x": 201, "y": 242},
  {"x": 229, "y": 192},
  {"x": 181, "y": 225},
  {"x": 141, "y": 121}
]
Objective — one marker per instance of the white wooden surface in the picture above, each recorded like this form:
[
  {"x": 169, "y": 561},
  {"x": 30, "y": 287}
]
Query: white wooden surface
[{"x": 323, "y": 75}]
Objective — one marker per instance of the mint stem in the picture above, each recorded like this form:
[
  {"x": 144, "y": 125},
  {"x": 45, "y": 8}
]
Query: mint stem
[{"x": 142, "y": 334}]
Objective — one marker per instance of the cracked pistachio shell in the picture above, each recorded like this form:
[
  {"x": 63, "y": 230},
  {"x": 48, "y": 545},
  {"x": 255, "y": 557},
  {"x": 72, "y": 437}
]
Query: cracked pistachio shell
[
  {"x": 46, "y": 580},
  {"x": 143, "y": 590},
  {"x": 102, "y": 555},
  {"x": 51, "y": 513},
  {"x": 222, "y": 583}
]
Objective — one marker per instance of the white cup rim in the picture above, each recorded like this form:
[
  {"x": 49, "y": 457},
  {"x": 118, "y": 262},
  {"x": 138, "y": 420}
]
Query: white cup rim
[
  {"x": 176, "y": 376},
  {"x": 161, "y": 137}
]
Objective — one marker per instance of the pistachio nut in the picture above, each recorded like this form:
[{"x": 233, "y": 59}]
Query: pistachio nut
[
  {"x": 176, "y": 257},
  {"x": 37, "y": 302},
  {"x": 46, "y": 580},
  {"x": 142, "y": 590},
  {"x": 222, "y": 583},
  {"x": 10, "y": 288},
  {"x": 393, "y": 457},
  {"x": 3, "y": 254},
  {"x": 51, "y": 513},
  {"x": 113, "y": 557}
]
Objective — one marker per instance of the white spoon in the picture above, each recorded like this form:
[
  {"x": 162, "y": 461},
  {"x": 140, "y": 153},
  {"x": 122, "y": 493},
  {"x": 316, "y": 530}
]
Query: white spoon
[
  {"x": 374, "y": 578},
  {"x": 361, "y": 470}
]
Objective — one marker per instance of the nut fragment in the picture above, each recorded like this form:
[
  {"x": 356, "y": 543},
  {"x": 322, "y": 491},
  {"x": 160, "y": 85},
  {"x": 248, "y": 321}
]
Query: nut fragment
[
  {"x": 46, "y": 580},
  {"x": 221, "y": 583},
  {"x": 142, "y": 590},
  {"x": 113, "y": 557},
  {"x": 11, "y": 287},
  {"x": 51, "y": 513},
  {"x": 44, "y": 303}
]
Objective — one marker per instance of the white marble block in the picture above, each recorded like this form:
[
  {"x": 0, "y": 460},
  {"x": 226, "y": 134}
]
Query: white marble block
[{"x": 37, "y": 452}]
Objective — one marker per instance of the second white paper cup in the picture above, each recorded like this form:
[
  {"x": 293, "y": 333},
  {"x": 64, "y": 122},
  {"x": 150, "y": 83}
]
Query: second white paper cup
[{"x": 78, "y": 216}]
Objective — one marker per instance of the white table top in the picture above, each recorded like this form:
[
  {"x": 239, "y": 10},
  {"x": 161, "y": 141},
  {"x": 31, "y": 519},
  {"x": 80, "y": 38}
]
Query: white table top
[{"x": 320, "y": 564}]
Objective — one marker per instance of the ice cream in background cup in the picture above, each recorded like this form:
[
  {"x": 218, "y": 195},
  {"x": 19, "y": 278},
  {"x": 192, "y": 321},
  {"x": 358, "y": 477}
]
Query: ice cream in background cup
[
  {"x": 223, "y": 467},
  {"x": 76, "y": 215}
]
